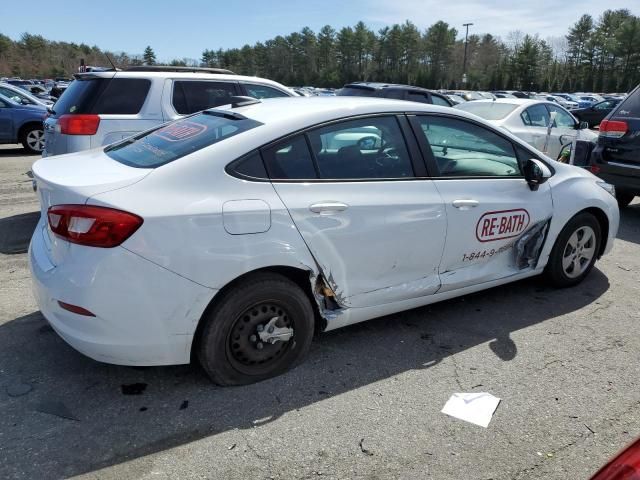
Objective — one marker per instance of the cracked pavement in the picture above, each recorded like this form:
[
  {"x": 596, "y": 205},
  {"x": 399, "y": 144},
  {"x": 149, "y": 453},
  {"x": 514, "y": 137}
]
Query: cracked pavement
[{"x": 366, "y": 404}]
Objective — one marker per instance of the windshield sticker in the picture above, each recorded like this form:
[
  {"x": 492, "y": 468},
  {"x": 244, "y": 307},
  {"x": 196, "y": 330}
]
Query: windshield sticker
[
  {"x": 502, "y": 224},
  {"x": 179, "y": 131}
]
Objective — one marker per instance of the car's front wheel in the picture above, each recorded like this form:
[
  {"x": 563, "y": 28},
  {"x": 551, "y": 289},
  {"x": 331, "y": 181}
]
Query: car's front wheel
[
  {"x": 33, "y": 139},
  {"x": 260, "y": 328},
  {"x": 575, "y": 251}
]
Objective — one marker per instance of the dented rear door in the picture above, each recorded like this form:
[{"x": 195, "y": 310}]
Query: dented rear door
[{"x": 488, "y": 203}]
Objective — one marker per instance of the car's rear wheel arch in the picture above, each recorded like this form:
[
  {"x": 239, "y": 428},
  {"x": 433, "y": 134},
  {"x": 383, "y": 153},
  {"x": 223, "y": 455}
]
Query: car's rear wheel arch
[{"x": 299, "y": 276}]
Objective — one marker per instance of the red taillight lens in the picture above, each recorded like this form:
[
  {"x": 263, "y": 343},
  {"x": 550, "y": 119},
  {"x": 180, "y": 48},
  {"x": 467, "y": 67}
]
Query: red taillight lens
[
  {"x": 594, "y": 169},
  {"x": 79, "y": 124},
  {"x": 624, "y": 466},
  {"x": 75, "y": 309},
  {"x": 613, "y": 128},
  {"x": 92, "y": 226}
]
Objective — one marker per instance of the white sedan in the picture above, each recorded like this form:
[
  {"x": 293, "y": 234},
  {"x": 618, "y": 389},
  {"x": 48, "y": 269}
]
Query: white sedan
[
  {"x": 545, "y": 125},
  {"x": 236, "y": 233}
]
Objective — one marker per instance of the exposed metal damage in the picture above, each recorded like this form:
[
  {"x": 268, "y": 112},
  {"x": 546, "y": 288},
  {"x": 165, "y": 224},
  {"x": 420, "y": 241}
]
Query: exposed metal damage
[{"x": 528, "y": 247}]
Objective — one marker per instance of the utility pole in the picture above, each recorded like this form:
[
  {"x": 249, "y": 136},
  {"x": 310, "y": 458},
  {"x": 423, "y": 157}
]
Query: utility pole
[{"x": 464, "y": 62}]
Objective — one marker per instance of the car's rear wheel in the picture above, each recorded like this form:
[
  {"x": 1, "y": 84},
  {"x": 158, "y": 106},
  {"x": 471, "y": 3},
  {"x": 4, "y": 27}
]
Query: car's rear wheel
[
  {"x": 33, "y": 139},
  {"x": 575, "y": 251},
  {"x": 259, "y": 329},
  {"x": 624, "y": 198}
]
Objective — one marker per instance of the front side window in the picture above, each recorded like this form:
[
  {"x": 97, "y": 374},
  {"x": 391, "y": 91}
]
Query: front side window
[
  {"x": 604, "y": 105},
  {"x": 194, "y": 96},
  {"x": 563, "y": 119},
  {"x": 15, "y": 96},
  {"x": 262, "y": 91},
  {"x": 461, "y": 148},
  {"x": 171, "y": 141},
  {"x": 367, "y": 148},
  {"x": 536, "y": 116}
]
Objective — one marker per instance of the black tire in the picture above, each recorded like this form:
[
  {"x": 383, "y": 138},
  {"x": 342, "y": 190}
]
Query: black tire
[
  {"x": 229, "y": 352},
  {"x": 32, "y": 139},
  {"x": 624, "y": 198},
  {"x": 555, "y": 270}
]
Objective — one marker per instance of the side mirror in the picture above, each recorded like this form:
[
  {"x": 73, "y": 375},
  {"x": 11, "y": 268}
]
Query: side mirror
[
  {"x": 535, "y": 173},
  {"x": 583, "y": 125}
]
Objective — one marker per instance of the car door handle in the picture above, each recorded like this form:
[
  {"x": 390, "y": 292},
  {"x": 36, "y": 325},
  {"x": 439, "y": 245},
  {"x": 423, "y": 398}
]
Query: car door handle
[
  {"x": 465, "y": 204},
  {"x": 328, "y": 207}
]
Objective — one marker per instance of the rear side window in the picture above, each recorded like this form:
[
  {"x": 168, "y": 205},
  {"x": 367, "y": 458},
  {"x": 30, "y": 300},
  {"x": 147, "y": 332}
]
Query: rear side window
[
  {"x": 357, "y": 92},
  {"x": 536, "y": 116},
  {"x": 630, "y": 106},
  {"x": 418, "y": 97},
  {"x": 193, "y": 96},
  {"x": 262, "y": 91},
  {"x": 290, "y": 160},
  {"x": 177, "y": 139},
  {"x": 124, "y": 96},
  {"x": 437, "y": 100}
]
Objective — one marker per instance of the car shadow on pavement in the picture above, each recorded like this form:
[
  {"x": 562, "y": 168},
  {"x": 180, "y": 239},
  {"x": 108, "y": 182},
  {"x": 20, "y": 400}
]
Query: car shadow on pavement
[
  {"x": 15, "y": 151},
  {"x": 16, "y": 232},
  {"x": 65, "y": 414},
  {"x": 630, "y": 223}
]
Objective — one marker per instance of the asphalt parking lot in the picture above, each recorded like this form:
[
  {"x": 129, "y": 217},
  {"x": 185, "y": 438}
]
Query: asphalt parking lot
[{"x": 367, "y": 402}]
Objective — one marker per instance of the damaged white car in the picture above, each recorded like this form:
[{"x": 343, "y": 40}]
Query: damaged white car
[{"x": 236, "y": 233}]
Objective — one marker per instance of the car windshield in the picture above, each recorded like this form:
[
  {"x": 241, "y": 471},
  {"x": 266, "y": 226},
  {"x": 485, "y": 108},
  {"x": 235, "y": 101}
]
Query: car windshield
[
  {"x": 488, "y": 110},
  {"x": 171, "y": 141}
]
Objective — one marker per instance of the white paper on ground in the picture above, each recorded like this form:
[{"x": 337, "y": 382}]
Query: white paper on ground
[{"x": 476, "y": 407}]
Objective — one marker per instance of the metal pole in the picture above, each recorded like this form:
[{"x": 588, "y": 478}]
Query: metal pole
[{"x": 464, "y": 62}]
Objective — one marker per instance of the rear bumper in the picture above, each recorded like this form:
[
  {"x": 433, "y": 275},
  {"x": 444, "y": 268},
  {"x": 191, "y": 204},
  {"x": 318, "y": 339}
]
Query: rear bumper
[
  {"x": 622, "y": 176},
  {"x": 145, "y": 315}
]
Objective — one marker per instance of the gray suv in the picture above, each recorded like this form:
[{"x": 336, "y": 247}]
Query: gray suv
[{"x": 100, "y": 108}]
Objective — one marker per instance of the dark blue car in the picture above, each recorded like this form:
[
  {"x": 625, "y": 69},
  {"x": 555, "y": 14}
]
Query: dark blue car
[{"x": 22, "y": 124}]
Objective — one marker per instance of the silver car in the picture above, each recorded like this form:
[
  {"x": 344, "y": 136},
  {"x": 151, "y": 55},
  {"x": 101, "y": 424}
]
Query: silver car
[
  {"x": 100, "y": 108},
  {"x": 544, "y": 125}
]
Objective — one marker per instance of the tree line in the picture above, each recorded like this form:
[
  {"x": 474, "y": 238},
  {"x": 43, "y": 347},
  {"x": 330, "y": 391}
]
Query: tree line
[{"x": 597, "y": 55}]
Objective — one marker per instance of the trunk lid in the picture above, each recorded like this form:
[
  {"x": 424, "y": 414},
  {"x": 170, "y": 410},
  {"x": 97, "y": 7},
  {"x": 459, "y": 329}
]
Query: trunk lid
[{"x": 73, "y": 179}]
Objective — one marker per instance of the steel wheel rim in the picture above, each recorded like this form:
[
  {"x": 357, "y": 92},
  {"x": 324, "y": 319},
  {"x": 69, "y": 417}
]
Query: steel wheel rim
[
  {"x": 242, "y": 349},
  {"x": 579, "y": 251},
  {"x": 35, "y": 140}
]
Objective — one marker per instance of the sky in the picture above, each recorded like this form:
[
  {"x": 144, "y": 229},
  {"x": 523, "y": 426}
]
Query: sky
[{"x": 184, "y": 28}]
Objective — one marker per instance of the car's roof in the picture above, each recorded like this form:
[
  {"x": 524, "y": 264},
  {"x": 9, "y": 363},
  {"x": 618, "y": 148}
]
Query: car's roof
[
  {"x": 512, "y": 101},
  {"x": 382, "y": 85},
  {"x": 306, "y": 111},
  {"x": 171, "y": 74}
]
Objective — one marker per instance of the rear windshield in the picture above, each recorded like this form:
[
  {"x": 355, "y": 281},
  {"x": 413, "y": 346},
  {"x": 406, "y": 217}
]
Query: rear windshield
[
  {"x": 171, "y": 141},
  {"x": 488, "y": 110},
  {"x": 630, "y": 106},
  {"x": 123, "y": 96}
]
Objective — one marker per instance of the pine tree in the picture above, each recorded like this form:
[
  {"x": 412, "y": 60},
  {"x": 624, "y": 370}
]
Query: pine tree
[{"x": 149, "y": 56}]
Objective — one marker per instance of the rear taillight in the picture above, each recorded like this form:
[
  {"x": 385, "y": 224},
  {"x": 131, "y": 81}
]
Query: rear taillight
[
  {"x": 624, "y": 466},
  {"x": 613, "y": 128},
  {"x": 79, "y": 124},
  {"x": 594, "y": 168},
  {"x": 92, "y": 226}
]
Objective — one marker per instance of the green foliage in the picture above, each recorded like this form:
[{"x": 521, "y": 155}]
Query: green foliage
[
  {"x": 149, "y": 56},
  {"x": 595, "y": 55}
]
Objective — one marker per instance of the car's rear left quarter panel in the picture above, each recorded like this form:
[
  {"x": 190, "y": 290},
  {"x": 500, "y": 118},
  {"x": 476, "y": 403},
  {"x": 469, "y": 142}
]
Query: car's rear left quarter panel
[{"x": 186, "y": 231}]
